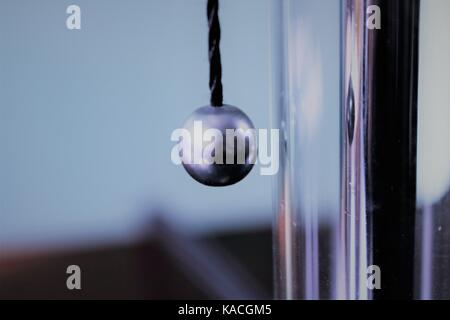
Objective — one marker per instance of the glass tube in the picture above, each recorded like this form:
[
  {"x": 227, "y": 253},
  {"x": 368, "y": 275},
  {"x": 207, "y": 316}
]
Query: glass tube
[
  {"x": 365, "y": 152},
  {"x": 379, "y": 135},
  {"x": 306, "y": 68},
  {"x": 396, "y": 150}
]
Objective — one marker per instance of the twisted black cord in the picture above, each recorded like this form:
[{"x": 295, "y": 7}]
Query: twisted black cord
[{"x": 215, "y": 64}]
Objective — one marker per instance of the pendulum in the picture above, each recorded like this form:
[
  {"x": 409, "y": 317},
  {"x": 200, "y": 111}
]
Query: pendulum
[
  {"x": 223, "y": 119},
  {"x": 236, "y": 159}
]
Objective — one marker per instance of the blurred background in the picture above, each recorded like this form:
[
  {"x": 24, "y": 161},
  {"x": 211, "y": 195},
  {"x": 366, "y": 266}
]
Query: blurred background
[{"x": 85, "y": 171}]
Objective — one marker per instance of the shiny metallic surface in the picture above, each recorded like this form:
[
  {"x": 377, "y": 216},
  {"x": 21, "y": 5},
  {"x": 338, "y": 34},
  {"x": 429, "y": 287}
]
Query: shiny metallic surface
[
  {"x": 231, "y": 168},
  {"x": 354, "y": 232},
  {"x": 378, "y": 164}
]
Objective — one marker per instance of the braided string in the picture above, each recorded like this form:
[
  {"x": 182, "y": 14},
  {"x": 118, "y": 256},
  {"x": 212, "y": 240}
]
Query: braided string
[{"x": 215, "y": 63}]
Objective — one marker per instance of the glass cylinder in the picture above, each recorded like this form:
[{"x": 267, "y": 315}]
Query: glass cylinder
[
  {"x": 306, "y": 95},
  {"x": 365, "y": 156}
]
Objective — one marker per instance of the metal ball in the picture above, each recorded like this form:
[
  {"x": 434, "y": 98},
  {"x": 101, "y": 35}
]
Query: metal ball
[{"x": 226, "y": 159}]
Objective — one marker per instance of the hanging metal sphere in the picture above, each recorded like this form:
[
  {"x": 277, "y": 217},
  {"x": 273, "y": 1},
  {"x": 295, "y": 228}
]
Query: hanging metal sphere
[{"x": 225, "y": 156}]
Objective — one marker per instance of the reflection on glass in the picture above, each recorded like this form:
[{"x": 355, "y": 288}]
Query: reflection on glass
[
  {"x": 306, "y": 108},
  {"x": 364, "y": 118}
]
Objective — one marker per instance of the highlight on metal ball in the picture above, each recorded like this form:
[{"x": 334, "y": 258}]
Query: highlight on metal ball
[{"x": 223, "y": 145}]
